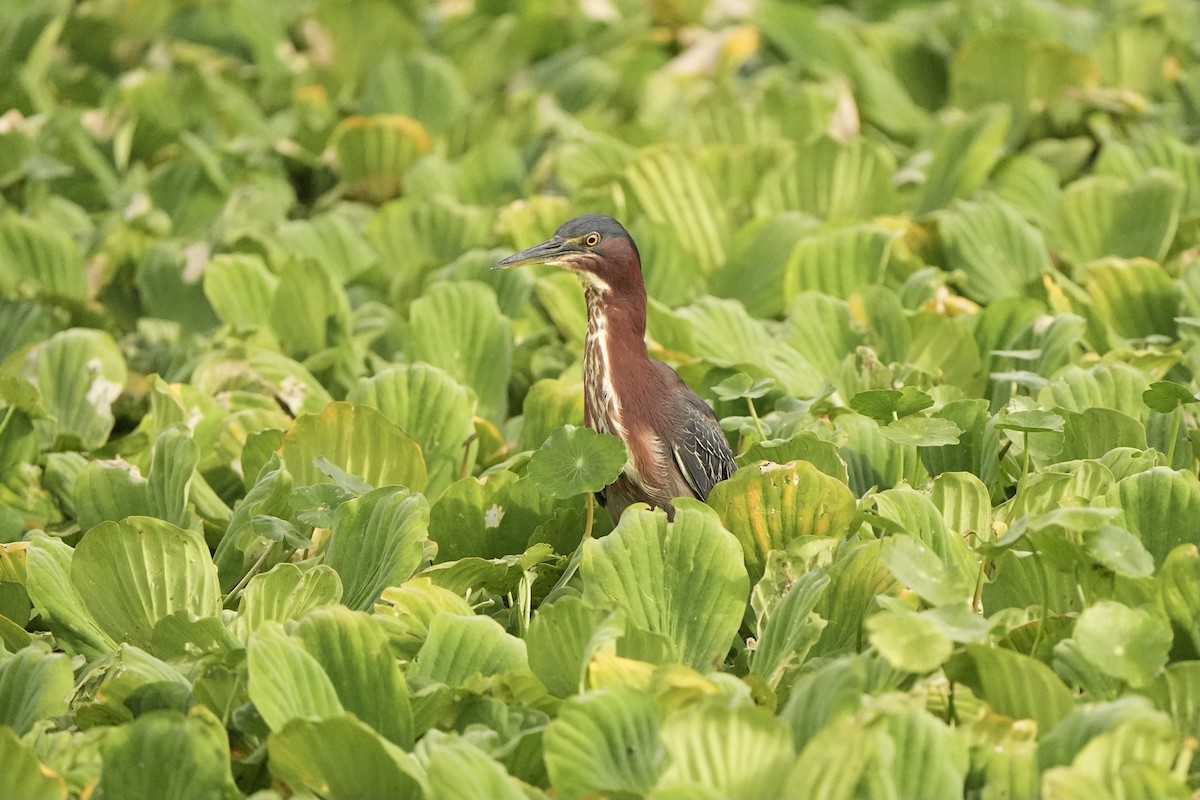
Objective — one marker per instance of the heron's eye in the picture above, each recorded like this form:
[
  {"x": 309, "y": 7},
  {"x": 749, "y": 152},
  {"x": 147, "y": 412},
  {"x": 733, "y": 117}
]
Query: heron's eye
[{"x": 592, "y": 239}]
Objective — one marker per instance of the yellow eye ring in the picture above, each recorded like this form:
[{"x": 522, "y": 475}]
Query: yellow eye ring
[{"x": 592, "y": 239}]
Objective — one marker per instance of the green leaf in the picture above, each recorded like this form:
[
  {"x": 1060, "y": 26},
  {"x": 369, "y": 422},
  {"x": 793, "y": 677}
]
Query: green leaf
[
  {"x": 753, "y": 274},
  {"x": 341, "y": 759},
  {"x": 60, "y": 603},
  {"x": 803, "y": 502},
  {"x": 284, "y": 592},
  {"x": 432, "y": 408},
  {"x": 357, "y": 439},
  {"x": 836, "y": 181},
  {"x": 462, "y": 771},
  {"x": 550, "y": 404},
  {"x": 165, "y": 754},
  {"x": 803, "y": 446},
  {"x": 1097, "y": 431},
  {"x": 1013, "y": 684},
  {"x": 25, "y": 776},
  {"x": 908, "y": 641},
  {"x": 241, "y": 289},
  {"x": 407, "y": 611},
  {"x": 310, "y": 311},
  {"x": 1127, "y": 643},
  {"x": 725, "y": 335},
  {"x": 735, "y": 752},
  {"x": 459, "y": 647},
  {"x": 1019, "y": 69},
  {"x": 672, "y": 190},
  {"x": 1030, "y": 421},
  {"x": 458, "y": 327},
  {"x": 1179, "y": 589},
  {"x": 886, "y": 405},
  {"x": 1120, "y": 551},
  {"x": 683, "y": 579},
  {"x": 378, "y": 540},
  {"x": 33, "y": 686},
  {"x": 918, "y": 567},
  {"x": 838, "y": 262},
  {"x": 134, "y": 573},
  {"x": 1137, "y": 298},
  {"x": 332, "y": 241},
  {"x": 964, "y": 502},
  {"x": 965, "y": 153},
  {"x": 285, "y": 681},
  {"x": 235, "y": 367},
  {"x": 918, "y": 431},
  {"x": 1000, "y": 252},
  {"x": 791, "y": 629},
  {"x": 80, "y": 372},
  {"x": 576, "y": 460},
  {"x": 375, "y": 152},
  {"x": 1160, "y": 507},
  {"x": 41, "y": 258},
  {"x": 563, "y": 637},
  {"x": 822, "y": 330},
  {"x": 741, "y": 386},
  {"x": 353, "y": 651},
  {"x": 1103, "y": 216},
  {"x": 1166, "y": 396},
  {"x": 604, "y": 742}
]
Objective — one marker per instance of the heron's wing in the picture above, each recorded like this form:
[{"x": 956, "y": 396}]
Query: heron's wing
[{"x": 699, "y": 447}]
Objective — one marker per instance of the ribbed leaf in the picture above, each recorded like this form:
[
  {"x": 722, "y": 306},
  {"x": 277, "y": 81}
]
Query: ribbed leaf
[
  {"x": 838, "y": 262},
  {"x": 672, "y": 190},
  {"x": 353, "y": 651},
  {"x": 432, "y": 408},
  {"x": 755, "y": 271},
  {"x": 285, "y": 592},
  {"x": 132, "y": 574},
  {"x": 1161, "y": 507},
  {"x": 801, "y": 500},
  {"x": 549, "y": 404},
  {"x": 1104, "y": 216},
  {"x": 738, "y": 752},
  {"x": 459, "y": 328},
  {"x": 1115, "y": 386},
  {"x": 459, "y": 647},
  {"x": 1013, "y": 684},
  {"x": 285, "y": 681},
  {"x": 562, "y": 638},
  {"x": 40, "y": 258},
  {"x": 727, "y": 336},
  {"x": 80, "y": 372},
  {"x": 683, "y": 579},
  {"x": 462, "y": 771},
  {"x": 341, "y": 759},
  {"x": 374, "y": 153},
  {"x": 332, "y": 241},
  {"x": 33, "y": 686},
  {"x": 1000, "y": 252},
  {"x": 821, "y": 329},
  {"x": 836, "y": 181},
  {"x": 1137, "y": 298},
  {"x": 164, "y": 754},
  {"x": 604, "y": 742},
  {"x": 963, "y": 157},
  {"x": 24, "y": 775},
  {"x": 358, "y": 440},
  {"x": 377, "y": 541},
  {"x": 1015, "y": 68}
]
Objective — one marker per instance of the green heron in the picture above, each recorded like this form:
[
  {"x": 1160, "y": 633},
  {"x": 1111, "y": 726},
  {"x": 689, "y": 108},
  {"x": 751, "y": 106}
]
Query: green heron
[{"x": 675, "y": 445}]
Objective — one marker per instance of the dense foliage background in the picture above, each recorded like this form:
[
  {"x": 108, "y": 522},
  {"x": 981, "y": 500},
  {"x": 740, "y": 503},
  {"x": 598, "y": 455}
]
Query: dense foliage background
[{"x": 288, "y": 501}]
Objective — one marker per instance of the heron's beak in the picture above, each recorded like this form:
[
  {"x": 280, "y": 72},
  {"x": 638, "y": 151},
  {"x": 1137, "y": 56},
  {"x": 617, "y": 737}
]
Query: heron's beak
[{"x": 553, "y": 252}]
